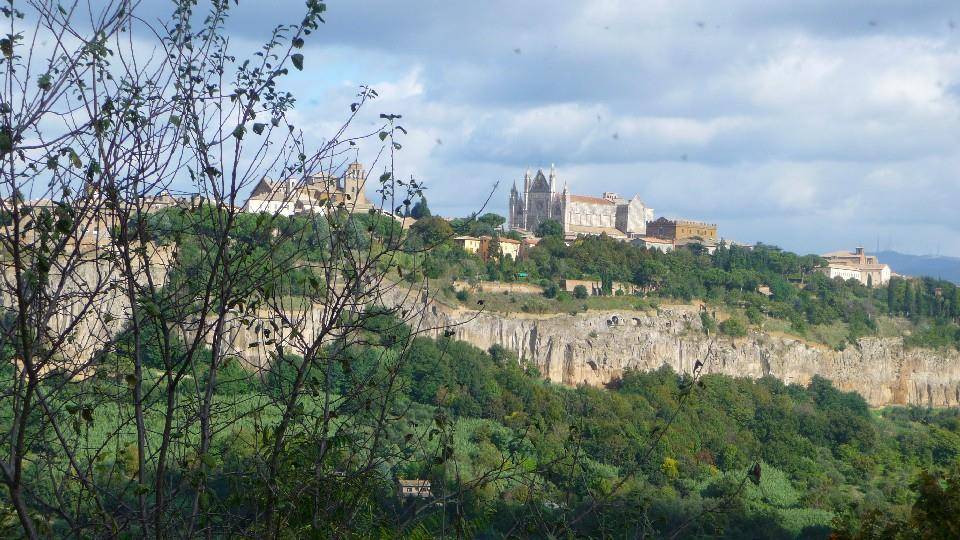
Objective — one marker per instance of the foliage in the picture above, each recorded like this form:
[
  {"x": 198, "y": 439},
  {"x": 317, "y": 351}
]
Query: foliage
[
  {"x": 549, "y": 228},
  {"x": 580, "y": 292},
  {"x": 733, "y": 327}
]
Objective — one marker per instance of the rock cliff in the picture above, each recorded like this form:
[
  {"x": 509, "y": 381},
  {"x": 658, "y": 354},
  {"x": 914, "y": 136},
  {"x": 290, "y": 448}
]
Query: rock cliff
[{"x": 597, "y": 347}]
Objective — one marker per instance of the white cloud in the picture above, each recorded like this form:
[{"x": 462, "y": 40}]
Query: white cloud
[{"x": 814, "y": 124}]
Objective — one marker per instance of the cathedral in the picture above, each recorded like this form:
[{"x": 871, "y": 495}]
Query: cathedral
[{"x": 578, "y": 214}]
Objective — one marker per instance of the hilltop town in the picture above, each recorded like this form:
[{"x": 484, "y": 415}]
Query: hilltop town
[{"x": 542, "y": 203}]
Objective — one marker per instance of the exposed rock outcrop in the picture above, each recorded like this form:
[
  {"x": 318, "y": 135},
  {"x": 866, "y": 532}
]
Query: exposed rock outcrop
[{"x": 597, "y": 347}]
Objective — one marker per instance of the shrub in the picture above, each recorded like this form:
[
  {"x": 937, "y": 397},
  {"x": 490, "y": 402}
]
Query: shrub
[
  {"x": 551, "y": 290},
  {"x": 708, "y": 322},
  {"x": 733, "y": 327},
  {"x": 463, "y": 295},
  {"x": 580, "y": 292}
]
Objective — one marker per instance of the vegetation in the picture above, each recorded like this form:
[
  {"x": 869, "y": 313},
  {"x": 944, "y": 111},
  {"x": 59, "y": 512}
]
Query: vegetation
[
  {"x": 732, "y": 278},
  {"x": 199, "y": 371}
]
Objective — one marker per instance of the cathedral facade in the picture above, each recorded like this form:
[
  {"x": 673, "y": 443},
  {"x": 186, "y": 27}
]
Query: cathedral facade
[{"x": 578, "y": 214}]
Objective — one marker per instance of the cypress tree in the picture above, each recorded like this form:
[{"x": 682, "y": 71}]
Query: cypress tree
[
  {"x": 908, "y": 298},
  {"x": 891, "y": 297}
]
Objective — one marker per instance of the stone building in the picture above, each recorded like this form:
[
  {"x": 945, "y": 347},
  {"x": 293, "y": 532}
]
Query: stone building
[
  {"x": 652, "y": 242},
  {"x": 506, "y": 247},
  {"x": 681, "y": 230},
  {"x": 866, "y": 269},
  {"x": 416, "y": 488},
  {"x": 312, "y": 194},
  {"x": 578, "y": 214}
]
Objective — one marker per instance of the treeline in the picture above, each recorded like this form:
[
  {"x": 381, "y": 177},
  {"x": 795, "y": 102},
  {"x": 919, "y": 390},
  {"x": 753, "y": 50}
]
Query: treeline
[
  {"x": 764, "y": 280},
  {"x": 757, "y": 282}
]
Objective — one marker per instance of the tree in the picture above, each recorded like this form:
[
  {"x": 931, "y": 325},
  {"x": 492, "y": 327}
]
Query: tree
[
  {"x": 493, "y": 248},
  {"x": 733, "y": 327},
  {"x": 493, "y": 220},
  {"x": 549, "y": 228},
  {"x": 580, "y": 292},
  {"x": 432, "y": 230},
  {"x": 134, "y": 406},
  {"x": 420, "y": 209}
]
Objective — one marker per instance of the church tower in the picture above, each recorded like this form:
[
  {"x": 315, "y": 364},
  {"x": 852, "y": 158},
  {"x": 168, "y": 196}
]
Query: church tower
[
  {"x": 353, "y": 182},
  {"x": 512, "y": 208}
]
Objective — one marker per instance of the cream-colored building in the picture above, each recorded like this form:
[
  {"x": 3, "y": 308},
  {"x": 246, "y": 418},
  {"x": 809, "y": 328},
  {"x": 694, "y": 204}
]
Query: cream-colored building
[
  {"x": 416, "y": 488},
  {"x": 866, "y": 269},
  {"x": 652, "y": 242},
  {"x": 312, "y": 194},
  {"x": 509, "y": 248},
  {"x": 470, "y": 244}
]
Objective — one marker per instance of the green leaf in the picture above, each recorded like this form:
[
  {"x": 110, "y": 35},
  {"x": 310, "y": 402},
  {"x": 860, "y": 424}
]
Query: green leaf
[
  {"x": 298, "y": 42},
  {"x": 44, "y": 81},
  {"x": 131, "y": 381},
  {"x": 383, "y": 135},
  {"x": 239, "y": 131},
  {"x": 175, "y": 120},
  {"x": 297, "y": 60},
  {"x": 258, "y": 128},
  {"x": 6, "y": 47},
  {"x": 75, "y": 159}
]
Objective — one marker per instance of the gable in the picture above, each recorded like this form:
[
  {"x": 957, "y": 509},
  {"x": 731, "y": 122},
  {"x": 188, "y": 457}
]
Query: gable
[
  {"x": 540, "y": 183},
  {"x": 263, "y": 189}
]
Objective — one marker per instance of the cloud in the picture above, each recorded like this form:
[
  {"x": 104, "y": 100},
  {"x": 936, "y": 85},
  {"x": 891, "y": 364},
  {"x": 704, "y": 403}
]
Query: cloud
[{"x": 815, "y": 124}]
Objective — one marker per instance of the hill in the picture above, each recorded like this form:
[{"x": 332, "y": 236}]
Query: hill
[{"x": 942, "y": 267}]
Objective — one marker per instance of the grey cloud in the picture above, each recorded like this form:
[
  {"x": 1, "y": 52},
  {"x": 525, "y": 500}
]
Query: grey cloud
[{"x": 798, "y": 123}]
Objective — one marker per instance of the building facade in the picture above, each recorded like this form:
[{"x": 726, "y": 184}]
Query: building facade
[
  {"x": 579, "y": 215},
  {"x": 681, "y": 230},
  {"x": 866, "y": 269},
  {"x": 506, "y": 247},
  {"x": 652, "y": 242},
  {"x": 312, "y": 194}
]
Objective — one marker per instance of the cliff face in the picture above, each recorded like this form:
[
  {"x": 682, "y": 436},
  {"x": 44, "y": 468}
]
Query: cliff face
[
  {"x": 92, "y": 306},
  {"x": 597, "y": 347}
]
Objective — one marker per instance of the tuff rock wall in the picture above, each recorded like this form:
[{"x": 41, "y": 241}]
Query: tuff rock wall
[{"x": 597, "y": 347}]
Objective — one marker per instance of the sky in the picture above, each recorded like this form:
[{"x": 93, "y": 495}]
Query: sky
[{"x": 814, "y": 125}]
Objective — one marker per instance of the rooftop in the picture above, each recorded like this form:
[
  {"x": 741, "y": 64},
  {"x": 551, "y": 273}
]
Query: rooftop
[
  {"x": 413, "y": 483},
  {"x": 586, "y": 229},
  {"x": 590, "y": 200}
]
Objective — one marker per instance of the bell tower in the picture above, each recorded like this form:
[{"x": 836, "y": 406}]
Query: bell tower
[{"x": 353, "y": 182}]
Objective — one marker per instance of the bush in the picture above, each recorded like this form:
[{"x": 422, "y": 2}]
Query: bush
[
  {"x": 551, "y": 290},
  {"x": 580, "y": 292},
  {"x": 754, "y": 315},
  {"x": 463, "y": 295},
  {"x": 709, "y": 324},
  {"x": 733, "y": 327}
]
